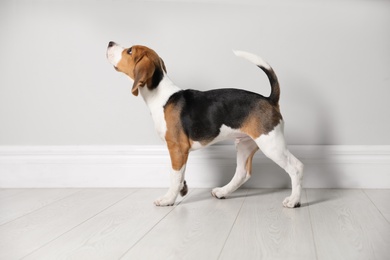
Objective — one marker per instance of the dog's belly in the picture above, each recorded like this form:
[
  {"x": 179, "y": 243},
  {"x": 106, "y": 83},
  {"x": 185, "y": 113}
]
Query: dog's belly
[{"x": 225, "y": 133}]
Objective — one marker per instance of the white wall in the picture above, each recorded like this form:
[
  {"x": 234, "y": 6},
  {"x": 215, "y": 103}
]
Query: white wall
[{"x": 56, "y": 87}]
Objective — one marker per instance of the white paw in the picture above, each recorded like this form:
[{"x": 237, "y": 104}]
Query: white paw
[
  {"x": 165, "y": 201},
  {"x": 218, "y": 193},
  {"x": 291, "y": 202}
]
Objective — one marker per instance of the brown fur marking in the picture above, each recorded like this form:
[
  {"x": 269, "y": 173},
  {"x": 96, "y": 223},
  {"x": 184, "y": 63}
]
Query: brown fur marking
[
  {"x": 177, "y": 141},
  {"x": 261, "y": 120},
  {"x": 248, "y": 164},
  {"x": 252, "y": 126}
]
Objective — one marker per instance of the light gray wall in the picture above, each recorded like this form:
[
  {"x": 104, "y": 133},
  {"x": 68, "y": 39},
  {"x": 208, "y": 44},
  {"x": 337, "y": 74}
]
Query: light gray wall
[{"x": 56, "y": 87}]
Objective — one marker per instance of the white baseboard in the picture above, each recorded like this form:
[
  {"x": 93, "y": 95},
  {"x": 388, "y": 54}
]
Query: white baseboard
[{"x": 148, "y": 166}]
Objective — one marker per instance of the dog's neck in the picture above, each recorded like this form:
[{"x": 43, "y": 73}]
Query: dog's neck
[
  {"x": 159, "y": 95},
  {"x": 156, "y": 99}
]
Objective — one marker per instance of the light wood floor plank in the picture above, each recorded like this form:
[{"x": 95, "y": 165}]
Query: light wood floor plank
[
  {"x": 381, "y": 199},
  {"x": 252, "y": 224},
  {"x": 111, "y": 233},
  {"x": 4, "y": 193},
  {"x": 197, "y": 229},
  {"x": 266, "y": 230},
  {"x": 24, "y": 235},
  {"x": 22, "y": 202},
  {"x": 346, "y": 225}
]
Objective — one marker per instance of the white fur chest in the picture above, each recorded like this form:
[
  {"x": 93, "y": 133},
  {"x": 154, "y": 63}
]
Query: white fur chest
[
  {"x": 158, "y": 117},
  {"x": 156, "y": 99}
]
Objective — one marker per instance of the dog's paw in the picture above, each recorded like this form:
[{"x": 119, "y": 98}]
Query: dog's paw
[
  {"x": 164, "y": 201},
  {"x": 218, "y": 193},
  {"x": 291, "y": 202}
]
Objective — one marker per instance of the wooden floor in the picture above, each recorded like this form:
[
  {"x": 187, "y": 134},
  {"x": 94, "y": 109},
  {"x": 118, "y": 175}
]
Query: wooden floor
[{"x": 252, "y": 224}]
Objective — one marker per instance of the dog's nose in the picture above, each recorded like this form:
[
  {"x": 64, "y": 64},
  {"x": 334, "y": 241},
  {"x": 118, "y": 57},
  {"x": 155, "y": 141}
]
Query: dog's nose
[{"x": 110, "y": 44}]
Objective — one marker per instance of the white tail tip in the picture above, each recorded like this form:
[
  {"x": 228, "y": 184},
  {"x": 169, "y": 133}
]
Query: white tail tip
[{"x": 252, "y": 58}]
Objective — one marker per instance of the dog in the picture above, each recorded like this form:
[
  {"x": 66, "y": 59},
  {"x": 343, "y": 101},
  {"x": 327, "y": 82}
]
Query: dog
[{"x": 188, "y": 120}]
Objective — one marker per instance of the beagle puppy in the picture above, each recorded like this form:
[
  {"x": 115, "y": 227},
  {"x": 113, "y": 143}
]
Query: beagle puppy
[{"x": 188, "y": 120}]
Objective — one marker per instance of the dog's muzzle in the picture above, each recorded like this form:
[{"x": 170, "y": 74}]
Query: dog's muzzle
[{"x": 114, "y": 53}]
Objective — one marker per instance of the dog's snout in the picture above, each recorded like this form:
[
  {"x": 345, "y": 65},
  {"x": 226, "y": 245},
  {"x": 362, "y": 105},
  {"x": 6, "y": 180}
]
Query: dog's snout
[
  {"x": 114, "y": 53},
  {"x": 111, "y": 43}
]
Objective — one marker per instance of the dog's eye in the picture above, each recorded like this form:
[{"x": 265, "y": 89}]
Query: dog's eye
[{"x": 129, "y": 51}]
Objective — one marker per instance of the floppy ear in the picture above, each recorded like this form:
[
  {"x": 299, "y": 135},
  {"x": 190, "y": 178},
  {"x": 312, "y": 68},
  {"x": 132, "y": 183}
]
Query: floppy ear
[
  {"x": 143, "y": 71},
  {"x": 163, "y": 65}
]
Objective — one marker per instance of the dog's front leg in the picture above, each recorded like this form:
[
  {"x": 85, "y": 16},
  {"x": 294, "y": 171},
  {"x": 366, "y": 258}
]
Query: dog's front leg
[
  {"x": 177, "y": 183},
  {"x": 179, "y": 158}
]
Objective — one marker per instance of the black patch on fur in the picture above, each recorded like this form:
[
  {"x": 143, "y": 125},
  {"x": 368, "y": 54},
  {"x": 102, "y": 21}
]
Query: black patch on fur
[
  {"x": 273, "y": 80},
  {"x": 203, "y": 113},
  {"x": 184, "y": 190},
  {"x": 156, "y": 78}
]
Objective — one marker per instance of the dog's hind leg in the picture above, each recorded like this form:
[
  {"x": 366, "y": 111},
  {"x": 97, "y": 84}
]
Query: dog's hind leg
[
  {"x": 273, "y": 145},
  {"x": 246, "y": 148}
]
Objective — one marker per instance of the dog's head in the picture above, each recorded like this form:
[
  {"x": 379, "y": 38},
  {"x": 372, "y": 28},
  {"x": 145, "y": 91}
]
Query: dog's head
[{"x": 140, "y": 63}]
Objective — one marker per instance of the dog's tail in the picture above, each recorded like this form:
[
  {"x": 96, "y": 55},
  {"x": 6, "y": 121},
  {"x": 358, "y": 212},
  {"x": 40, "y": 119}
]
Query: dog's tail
[{"x": 275, "y": 89}]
